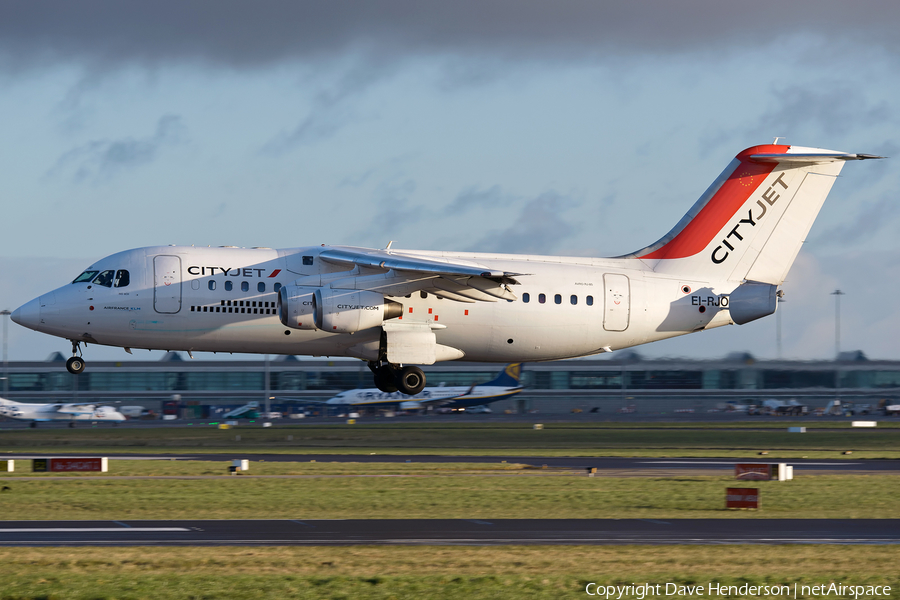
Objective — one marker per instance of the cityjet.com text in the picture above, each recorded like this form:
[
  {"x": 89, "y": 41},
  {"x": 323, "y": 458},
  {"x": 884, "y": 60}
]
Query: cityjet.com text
[{"x": 652, "y": 590}]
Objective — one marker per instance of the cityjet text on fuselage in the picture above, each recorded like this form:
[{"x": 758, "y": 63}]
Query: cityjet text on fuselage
[{"x": 232, "y": 272}]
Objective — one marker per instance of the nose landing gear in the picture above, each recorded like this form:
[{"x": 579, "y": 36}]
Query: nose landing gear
[
  {"x": 408, "y": 380},
  {"x": 75, "y": 364}
]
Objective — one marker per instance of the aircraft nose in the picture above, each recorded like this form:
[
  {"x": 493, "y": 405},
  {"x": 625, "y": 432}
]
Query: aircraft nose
[{"x": 28, "y": 315}]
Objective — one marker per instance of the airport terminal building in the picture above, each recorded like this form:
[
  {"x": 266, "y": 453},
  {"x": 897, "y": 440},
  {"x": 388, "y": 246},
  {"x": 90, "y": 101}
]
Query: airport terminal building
[{"x": 624, "y": 382}]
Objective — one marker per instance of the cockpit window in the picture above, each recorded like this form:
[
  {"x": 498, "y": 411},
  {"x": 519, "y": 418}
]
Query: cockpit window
[
  {"x": 122, "y": 278},
  {"x": 105, "y": 278},
  {"x": 86, "y": 276}
]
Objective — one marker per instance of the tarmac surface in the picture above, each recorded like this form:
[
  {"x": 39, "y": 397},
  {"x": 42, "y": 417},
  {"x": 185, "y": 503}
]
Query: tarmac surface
[
  {"x": 471, "y": 532},
  {"x": 573, "y": 462}
]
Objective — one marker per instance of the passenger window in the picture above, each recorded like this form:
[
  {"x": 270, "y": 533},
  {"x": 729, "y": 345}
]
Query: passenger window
[
  {"x": 277, "y": 288},
  {"x": 123, "y": 278},
  {"x": 229, "y": 286},
  {"x": 589, "y": 300},
  {"x": 573, "y": 299},
  {"x": 86, "y": 276},
  {"x": 212, "y": 285},
  {"x": 307, "y": 260},
  {"x": 105, "y": 278},
  {"x": 261, "y": 286},
  {"x": 542, "y": 298},
  {"x": 526, "y": 297},
  {"x": 557, "y": 299},
  {"x": 245, "y": 287}
]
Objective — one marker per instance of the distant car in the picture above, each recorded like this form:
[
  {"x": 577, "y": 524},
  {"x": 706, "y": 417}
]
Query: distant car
[
  {"x": 736, "y": 405},
  {"x": 479, "y": 410},
  {"x": 270, "y": 415}
]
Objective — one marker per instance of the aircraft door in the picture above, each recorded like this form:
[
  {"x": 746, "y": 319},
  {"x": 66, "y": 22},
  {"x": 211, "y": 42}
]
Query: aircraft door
[
  {"x": 167, "y": 284},
  {"x": 616, "y": 302}
]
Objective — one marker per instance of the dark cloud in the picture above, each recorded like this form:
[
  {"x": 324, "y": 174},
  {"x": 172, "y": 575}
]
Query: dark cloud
[
  {"x": 539, "y": 228},
  {"x": 98, "y": 160},
  {"x": 241, "y": 34}
]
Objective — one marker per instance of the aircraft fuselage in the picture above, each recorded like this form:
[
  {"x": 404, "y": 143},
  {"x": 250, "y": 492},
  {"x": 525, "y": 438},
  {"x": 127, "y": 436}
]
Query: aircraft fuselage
[{"x": 225, "y": 300}]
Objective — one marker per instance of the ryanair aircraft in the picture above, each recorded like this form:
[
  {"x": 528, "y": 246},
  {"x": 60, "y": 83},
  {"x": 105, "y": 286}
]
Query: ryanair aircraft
[
  {"x": 721, "y": 264},
  {"x": 505, "y": 385}
]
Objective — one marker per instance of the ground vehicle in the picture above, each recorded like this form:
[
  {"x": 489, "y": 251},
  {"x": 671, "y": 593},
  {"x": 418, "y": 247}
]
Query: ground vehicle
[{"x": 779, "y": 408}]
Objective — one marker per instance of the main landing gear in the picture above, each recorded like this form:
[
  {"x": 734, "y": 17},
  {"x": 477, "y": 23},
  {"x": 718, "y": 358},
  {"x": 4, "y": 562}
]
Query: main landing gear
[
  {"x": 75, "y": 365},
  {"x": 389, "y": 378}
]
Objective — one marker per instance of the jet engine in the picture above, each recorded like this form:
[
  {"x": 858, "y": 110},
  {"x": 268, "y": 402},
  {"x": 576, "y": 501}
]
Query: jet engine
[
  {"x": 349, "y": 311},
  {"x": 296, "y": 306}
]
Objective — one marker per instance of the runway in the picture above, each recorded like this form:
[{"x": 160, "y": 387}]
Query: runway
[
  {"x": 572, "y": 462},
  {"x": 471, "y": 532}
]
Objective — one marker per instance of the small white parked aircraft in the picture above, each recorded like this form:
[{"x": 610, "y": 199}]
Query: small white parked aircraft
[
  {"x": 505, "y": 385},
  {"x": 721, "y": 264},
  {"x": 58, "y": 412}
]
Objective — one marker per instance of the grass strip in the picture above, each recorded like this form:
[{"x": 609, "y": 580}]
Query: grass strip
[
  {"x": 424, "y": 571},
  {"x": 434, "y": 491}
]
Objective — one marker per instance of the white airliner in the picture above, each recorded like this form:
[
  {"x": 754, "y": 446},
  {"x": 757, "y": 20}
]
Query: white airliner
[
  {"x": 58, "y": 412},
  {"x": 721, "y": 264},
  {"x": 505, "y": 385}
]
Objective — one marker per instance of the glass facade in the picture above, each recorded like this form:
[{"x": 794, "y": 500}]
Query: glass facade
[{"x": 210, "y": 376}]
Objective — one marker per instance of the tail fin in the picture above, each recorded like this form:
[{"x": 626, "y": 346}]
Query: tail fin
[
  {"x": 508, "y": 377},
  {"x": 751, "y": 222}
]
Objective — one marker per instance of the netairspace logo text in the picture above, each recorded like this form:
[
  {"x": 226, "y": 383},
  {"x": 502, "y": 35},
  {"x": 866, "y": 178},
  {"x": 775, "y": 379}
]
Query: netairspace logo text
[{"x": 653, "y": 590}]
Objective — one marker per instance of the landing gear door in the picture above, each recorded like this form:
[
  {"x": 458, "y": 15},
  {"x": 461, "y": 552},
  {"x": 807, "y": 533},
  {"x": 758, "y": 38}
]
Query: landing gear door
[
  {"x": 166, "y": 284},
  {"x": 616, "y": 302}
]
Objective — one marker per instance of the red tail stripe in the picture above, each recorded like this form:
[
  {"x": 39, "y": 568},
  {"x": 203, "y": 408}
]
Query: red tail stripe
[{"x": 700, "y": 231}]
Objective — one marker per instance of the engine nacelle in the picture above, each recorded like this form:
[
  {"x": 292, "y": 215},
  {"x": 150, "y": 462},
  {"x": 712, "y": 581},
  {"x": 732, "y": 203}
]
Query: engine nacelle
[
  {"x": 296, "y": 306},
  {"x": 752, "y": 300},
  {"x": 349, "y": 311}
]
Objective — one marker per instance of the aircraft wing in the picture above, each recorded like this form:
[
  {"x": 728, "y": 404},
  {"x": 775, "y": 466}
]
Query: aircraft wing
[{"x": 396, "y": 274}]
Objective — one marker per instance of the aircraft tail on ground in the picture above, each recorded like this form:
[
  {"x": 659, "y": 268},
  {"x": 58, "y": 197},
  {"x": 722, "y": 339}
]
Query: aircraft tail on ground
[
  {"x": 750, "y": 223},
  {"x": 509, "y": 377}
]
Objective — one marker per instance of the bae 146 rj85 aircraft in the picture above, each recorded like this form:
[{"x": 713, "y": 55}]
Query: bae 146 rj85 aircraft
[{"x": 721, "y": 264}]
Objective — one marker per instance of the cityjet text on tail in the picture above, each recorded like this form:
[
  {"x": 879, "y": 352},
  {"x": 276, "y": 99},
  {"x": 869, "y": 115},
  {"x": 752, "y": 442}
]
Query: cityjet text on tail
[{"x": 721, "y": 264}]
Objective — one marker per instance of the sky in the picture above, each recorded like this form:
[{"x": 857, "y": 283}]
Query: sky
[{"x": 575, "y": 127}]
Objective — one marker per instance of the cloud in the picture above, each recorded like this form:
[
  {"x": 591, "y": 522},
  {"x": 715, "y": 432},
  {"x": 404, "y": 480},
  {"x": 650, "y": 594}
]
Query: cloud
[
  {"x": 98, "y": 160},
  {"x": 235, "y": 34},
  {"x": 474, "y": 197},
  {"x": 869, "y": 220},
  {"x": 392, "y": 210},
  {"x": 331, "y": 108},
  {"x": 539, "y": 228},
  {"x": 830, "y": 107}
]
